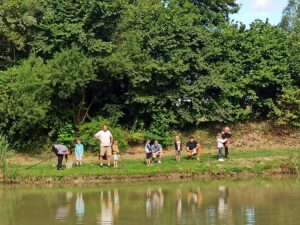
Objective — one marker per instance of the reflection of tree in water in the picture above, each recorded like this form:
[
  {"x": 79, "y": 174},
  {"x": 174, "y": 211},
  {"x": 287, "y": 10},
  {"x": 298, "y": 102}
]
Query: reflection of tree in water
[
  {"x": 110, "y": 206},
  {"x": 154, "y": 202},
  {"x": 79, "y": 207},
  {"x": 64, "y": 207}
]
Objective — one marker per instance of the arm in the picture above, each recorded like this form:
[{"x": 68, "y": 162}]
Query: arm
[
  {"x": 111, "y": 139},
  {"x": 97, "y": 136}
]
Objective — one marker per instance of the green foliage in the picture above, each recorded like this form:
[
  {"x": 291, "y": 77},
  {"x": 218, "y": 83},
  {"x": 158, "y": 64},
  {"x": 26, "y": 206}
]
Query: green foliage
[
  {"x": 3, "y": 155},
  {"x": 88, "y": 130},
  {"x": 289, "y": 108},
  {"x": 66, "y": 135},
  {"x": 148, "y": 66},
  {"x": 291, "y": 15},
  {"x": 7, "y": 171}
]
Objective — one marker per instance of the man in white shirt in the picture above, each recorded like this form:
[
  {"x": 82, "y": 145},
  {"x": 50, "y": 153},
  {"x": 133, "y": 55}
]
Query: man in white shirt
[{"x": 106, "y": 141}]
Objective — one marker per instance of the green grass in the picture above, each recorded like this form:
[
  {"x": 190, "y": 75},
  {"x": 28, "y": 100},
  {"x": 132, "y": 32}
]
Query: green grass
[{"x": 240, "y": 161}]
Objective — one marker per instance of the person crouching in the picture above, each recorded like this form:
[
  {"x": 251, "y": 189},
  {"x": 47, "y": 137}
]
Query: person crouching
[{"x": 60, "y": 151}]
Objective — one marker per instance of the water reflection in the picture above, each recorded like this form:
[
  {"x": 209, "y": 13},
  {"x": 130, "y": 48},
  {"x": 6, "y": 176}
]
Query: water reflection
[
  {"x": 184, "y": 204},
  {"x": 154, "y": 202},
  {"x": 110, "y": 206},
  {"x": 79, "y": 208},
  {"x": 178, "y": 204},
  {"x": 64, "y": 207}
]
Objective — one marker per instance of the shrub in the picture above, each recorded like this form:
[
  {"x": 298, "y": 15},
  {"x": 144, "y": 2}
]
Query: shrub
[
  {"x": 66, "y": 135},
  {"x": 288, "y": 112}
]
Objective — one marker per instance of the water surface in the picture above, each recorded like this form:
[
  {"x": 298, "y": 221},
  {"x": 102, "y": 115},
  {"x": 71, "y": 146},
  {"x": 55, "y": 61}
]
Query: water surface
[{"x": 263, "y": 201}]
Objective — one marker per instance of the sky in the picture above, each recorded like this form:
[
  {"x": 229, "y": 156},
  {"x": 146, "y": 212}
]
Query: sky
[{"x": 260, "y": 9}]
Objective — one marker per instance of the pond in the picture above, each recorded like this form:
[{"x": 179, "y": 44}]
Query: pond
[{"x": 254, "y": 201}]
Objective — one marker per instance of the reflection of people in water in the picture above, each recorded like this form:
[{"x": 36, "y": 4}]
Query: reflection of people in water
[
  {"x": 154, "y": 201},
  {"x": 64, "y": 209},
  {"x": 194, "y": 198},
  {"x": 109, "y": 207},
  {"x": 79, "y": 207},
  {"x": 178, "y": 204},
  {"x": 223, "y": 201}
]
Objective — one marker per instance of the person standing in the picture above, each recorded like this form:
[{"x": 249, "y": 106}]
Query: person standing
[
  {"x": 148, "y": 152},
  {"x": 78, "y": 152},
  {"x": 193, "y": 148},
  {"x": 220, "y": 142},
  {"x": 60, "y": 151},
  {"x": 226, "y": 134},
  {"x": 178, "y": 148},
  {"x": 106, "y": 140}
]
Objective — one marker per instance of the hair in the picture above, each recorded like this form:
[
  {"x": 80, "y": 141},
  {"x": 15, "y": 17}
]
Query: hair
[{"x": 191, "y": 137}]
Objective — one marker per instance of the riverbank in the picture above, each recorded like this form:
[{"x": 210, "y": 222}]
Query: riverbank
[{"x": 242, "y": 163}]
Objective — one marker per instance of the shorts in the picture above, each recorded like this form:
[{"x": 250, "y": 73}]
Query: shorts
[
  {"x": 177, "y": 152},
  {"x": 78, "y": 156},
  {"x": 105, "y": 150},
  {"x": 155, "y": 155},
  {"x": 148, "y": 155},
  {"x": 116, "y": 157}
]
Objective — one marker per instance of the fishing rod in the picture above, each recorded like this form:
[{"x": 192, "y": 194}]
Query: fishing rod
[{"x": 38, "y": 163}]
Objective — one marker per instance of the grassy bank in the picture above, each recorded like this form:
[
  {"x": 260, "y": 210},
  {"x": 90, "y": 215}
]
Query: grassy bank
[{"x": 241, "y": 163}]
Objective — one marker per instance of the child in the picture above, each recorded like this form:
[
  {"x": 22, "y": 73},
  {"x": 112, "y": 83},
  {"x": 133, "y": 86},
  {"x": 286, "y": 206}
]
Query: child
[
  {"x": 148, "y": 152},
  {"x": 115, "y": 149},
  {"x": 178, "y": 148},
  {"x": 78, "y": 152},
  {"x": 220, "y": 142}
]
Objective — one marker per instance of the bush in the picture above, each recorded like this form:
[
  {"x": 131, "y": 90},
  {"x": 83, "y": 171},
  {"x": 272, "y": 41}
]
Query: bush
[
  {"x": 66, "y": 135},
  {"x": 136, "y": 137},
  {"x": 5, "y": 168},
  {"x": 88, "y": 130},
  {"x": 288, "y": 112},
  {"x": 160, "y": 129}
]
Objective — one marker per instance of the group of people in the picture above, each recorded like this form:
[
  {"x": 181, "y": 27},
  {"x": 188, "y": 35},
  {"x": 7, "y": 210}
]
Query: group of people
[{"x": 109, "y": 148}]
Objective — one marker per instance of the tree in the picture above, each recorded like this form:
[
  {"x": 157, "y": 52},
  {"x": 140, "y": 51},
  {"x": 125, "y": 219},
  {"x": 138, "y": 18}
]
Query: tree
[{"x": 291, "y": 15}]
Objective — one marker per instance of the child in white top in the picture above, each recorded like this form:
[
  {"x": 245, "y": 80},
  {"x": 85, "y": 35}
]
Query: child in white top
[
  {"x": 220, "y": 142},
  {"x": 178, "y": 148},
  {"x": 116, "y": 151}
]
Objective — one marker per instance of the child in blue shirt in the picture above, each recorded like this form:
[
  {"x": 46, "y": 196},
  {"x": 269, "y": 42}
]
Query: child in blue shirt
[{"x": 78, "y": 152}]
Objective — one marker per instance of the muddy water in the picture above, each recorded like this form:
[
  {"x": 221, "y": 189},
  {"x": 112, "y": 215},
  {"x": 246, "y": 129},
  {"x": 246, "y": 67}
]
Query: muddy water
[{"x": 199, "y": 202}]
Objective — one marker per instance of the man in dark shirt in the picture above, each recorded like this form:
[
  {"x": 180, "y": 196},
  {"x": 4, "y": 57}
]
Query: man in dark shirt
[
  {"x": 193, "y": 148},
  {"x": 226, "y": 134}
]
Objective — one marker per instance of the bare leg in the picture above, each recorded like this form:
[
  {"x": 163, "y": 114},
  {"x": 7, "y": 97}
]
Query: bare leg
[
  {"x": 108, "y": 160},
  {"x": 198, "y": 150}
]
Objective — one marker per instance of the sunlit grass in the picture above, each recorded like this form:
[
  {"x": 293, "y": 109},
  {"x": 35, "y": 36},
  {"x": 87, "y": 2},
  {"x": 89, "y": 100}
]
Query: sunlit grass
[{"x": 240, "y": 161}]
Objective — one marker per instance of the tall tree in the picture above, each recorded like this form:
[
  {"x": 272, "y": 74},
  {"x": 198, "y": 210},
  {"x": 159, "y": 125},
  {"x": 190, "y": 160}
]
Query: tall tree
[{"x": 291, "y": 15}]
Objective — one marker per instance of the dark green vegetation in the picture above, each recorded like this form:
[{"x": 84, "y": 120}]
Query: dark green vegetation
[
  {"x": 250, "y": 162},
  {"x": 142, "y": 66}
]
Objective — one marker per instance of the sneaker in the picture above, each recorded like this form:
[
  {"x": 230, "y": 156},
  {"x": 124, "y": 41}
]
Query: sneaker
[
  {"x": 108, "y": 165},
  {"x": 198, "y": 159},
  {"x": 221, "y": 160},
  {"x": 159, "y": 161},
  {"x": 101, "y": 165}
]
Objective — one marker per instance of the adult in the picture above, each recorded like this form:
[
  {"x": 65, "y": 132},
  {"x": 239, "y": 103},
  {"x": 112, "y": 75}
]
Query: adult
[
  {"x": 193, "y": 148},
  {"x": 60, "y": 151},
  {"x": 156, "y": 151},
  {"x": 106, "y": 140},
  {"x": 226, "y": 134}
]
